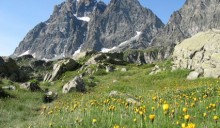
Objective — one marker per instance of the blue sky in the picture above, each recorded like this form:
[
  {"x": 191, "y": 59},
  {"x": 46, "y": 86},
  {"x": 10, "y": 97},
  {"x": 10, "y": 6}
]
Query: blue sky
[{"x": 17, "y": 17}]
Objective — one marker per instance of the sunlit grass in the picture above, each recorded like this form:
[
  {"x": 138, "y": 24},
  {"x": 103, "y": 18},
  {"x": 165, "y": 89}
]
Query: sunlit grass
[{"x": 166, "y": 100}]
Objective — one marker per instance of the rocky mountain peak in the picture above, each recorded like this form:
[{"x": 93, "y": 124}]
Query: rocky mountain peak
[
  {"x": 85, "y": 7},
  {"x": 193, "y": 17},
  {"x": 121, "y": 21},
  {"x": 84, "y": 25}
]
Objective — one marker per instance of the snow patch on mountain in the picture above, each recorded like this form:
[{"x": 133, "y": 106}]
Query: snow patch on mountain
[
  {"x": 77, "y": 51},
  {"x": 105, "y": 50},
  {"x": 85, "y": 18},
  {"x": 25, "y": 53}
]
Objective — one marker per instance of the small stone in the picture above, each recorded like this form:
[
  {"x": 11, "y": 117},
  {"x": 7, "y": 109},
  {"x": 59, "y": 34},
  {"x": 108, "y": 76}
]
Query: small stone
[
  {"x": 10, "y": 87},
  {"x": 132, "y": 101},
  {"x": 114, "y": 93},
  {"x": 114, "y": 81},
  {"x": 124, "y": 70},
  {"x": 193, "y": 75}
]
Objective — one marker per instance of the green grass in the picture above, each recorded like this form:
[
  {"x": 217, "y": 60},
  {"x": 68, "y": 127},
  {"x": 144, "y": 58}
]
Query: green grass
[{"x": 80, "y": 109}]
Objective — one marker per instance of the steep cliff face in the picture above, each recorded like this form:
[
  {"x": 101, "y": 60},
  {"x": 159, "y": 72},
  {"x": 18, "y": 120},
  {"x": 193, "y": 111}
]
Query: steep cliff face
[
  {"x": 122, "y": 20},
  {"x": 195, "y": 16},
  {"x": 82, "y": 25},
  {"x": 62, "y": 34}
]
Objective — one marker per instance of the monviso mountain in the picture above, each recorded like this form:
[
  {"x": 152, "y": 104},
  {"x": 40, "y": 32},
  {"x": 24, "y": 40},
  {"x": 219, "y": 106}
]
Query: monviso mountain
[{"x": 90, "y": 25}]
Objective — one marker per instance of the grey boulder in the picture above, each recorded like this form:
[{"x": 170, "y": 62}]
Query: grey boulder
[
  {"x": 76, "y": 84},
  {"x": 60, "y": 67}
]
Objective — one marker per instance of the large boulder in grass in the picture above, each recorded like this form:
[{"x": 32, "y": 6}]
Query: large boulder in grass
[
  {"x": 60, "y": 67},
  {"x": 199, "y": 53},
  {"x": 76, "y": 84}
]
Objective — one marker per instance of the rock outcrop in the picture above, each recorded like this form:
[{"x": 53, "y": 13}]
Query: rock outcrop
[
  {"x": 199, "y": 53},
  {"x": 112, "y": 58},
  {"x": 61, "y": 67},
  {"x": 195, "y": 16},
  {"x": 32, "y": 68},
  {"x": 76, "y": 84},
  {"x": 148, "y": 56}
]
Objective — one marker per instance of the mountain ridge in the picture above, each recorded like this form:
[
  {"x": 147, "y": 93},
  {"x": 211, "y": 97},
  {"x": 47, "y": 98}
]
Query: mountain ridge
[
  {"x": 87, "y": 25},
  {"x": 193, "y": 17}
]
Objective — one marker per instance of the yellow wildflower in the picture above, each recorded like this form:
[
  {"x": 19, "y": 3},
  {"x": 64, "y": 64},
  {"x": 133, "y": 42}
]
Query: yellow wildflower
[
  {"x": 116, "y": 126},
  {"x": 185, "y": 110},
  {"x": 183, "y": 125},
  {"x": 94, "y": 121},
  {"x": 152, "y": 117},
  {"x": 135, "y": 120},
  {"x": 191, "y": 125},
  {"x": 204, "y": 114},
  {"x": 215, "y": 118},
  {"x": 153, "y": 108},
  {"x": 187, "y": 117},
  {"x": 166, "y": 107},
  {"x": 154, "y": 98}
]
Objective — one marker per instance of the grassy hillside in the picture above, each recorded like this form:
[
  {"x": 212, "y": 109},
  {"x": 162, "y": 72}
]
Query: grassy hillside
[{"x": 164, "y": 100}]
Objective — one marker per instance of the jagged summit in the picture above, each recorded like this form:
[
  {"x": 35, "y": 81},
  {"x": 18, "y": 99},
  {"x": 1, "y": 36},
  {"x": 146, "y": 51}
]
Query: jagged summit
[
  {"x": 62, "y": 34},
  {"x": 82, "y": 25},
  {"x": 120, "y": 22}
]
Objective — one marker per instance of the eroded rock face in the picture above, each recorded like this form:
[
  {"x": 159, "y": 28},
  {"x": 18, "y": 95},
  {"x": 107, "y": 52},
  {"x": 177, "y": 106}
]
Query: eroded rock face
[
  {"x": 60, "y": 67},
  {"x": 148, "y": 56},
  {"x": 62, "y": 34},
  {"x": 200, "y": 53},
  {"x": 121, "y": 20}
]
